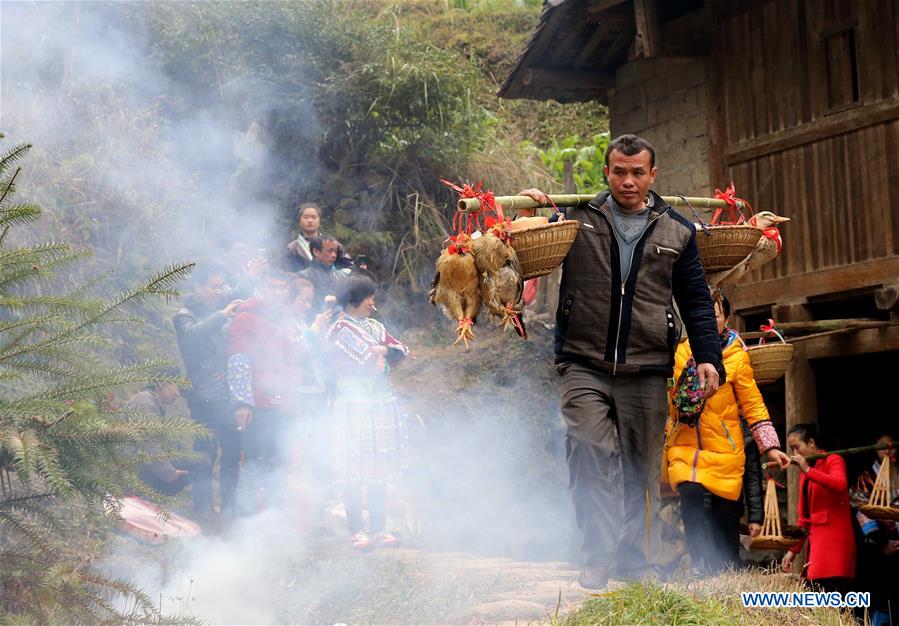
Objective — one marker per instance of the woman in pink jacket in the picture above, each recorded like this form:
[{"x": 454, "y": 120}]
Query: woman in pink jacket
[{"x": 823, "y": 511}]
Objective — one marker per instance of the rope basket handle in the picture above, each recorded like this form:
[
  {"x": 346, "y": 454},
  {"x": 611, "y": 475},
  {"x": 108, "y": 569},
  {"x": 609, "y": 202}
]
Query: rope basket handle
[
  {"x": 702, "y": 225},
  {"x": 769, "y": 328}
]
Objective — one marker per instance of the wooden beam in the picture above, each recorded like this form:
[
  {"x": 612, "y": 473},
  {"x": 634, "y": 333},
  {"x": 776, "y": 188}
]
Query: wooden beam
[
  {"x": 791, "y": 312},
  {"x": 820, "y": 326},
  {"x": 844, "y": 278},
  {"x": 646, "y": 17},
  {"x": 535, "y": 77},
  {"x": 596, "y": 39},
  {"x": 861, "y": 341},
  {"x": 615, "y": 19},
  {"x": 801, "y": 395},
  {"x": 595, "y": 7},
  {"x": 622, "y": 39},
  {"x": 821, "y": 128}
]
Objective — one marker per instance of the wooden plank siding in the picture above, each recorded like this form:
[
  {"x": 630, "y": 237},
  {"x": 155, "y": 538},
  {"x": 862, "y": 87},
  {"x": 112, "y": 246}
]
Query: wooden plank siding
[{"x": 812, "y": 140}]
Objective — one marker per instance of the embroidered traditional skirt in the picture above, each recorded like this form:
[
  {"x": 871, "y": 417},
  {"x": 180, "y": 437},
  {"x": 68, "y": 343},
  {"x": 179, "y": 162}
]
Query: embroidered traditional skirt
[{"x": 367, "y": 431}]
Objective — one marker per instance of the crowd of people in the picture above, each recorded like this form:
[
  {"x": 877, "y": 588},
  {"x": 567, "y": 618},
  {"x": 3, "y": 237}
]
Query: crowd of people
[
  {"x": 264, "y": 344},
  {"x": 288, "y": 371}
]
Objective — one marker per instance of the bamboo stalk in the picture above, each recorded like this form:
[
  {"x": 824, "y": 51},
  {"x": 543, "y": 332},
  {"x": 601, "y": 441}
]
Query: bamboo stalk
[
  {"x": 859, "y": 450},
  {"x": 512, "y": 203}
]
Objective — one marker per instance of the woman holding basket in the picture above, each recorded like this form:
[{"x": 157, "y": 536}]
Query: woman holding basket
[{"x": 704, "y": 457}]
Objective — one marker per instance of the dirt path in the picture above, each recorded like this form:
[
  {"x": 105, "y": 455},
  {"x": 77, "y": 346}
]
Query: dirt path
[
  {"x": 519, "y": 593},
  {"x": 417, "y": 586}
]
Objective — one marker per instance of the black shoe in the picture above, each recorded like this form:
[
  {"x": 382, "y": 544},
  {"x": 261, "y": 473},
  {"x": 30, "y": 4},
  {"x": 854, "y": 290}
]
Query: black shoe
[{"x": 593, "y": 577}]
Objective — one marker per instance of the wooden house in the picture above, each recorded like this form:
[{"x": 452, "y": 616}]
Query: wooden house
[{"x": 797, "y": 103}]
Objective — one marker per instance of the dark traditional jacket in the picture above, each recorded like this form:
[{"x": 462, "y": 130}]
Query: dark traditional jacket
[
  {"x": 203, "y": 344},
  {"x": 324, "y": 279},
  {"x": 753, "y": 481},
  {"x": 628, "y": 325}
]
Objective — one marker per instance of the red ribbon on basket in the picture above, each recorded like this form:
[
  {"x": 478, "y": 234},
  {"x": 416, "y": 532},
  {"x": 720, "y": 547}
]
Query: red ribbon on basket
[
  {"x": 486, "y": 204},
  {"x": 769, "y": 329},
  {"x": 733, "y": 212}
]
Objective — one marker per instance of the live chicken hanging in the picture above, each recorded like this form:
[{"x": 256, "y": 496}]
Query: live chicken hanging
[{"x": 479, "y": 265}]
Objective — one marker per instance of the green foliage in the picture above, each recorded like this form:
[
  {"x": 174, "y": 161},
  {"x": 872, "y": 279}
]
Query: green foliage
[
  {"x": 66, "y": 453},
  {"x": 355, "y": 111},
  {"x": 587, "y": 160}
]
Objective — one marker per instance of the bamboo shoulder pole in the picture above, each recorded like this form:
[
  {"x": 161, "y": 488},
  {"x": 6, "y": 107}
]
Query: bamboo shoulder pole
[
  {"x": 512, "y": 203},
  {"x": 815, "y": 457}
]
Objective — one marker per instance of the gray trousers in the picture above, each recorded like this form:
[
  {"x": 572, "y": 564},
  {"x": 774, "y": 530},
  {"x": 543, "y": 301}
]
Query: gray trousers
[{"x": 616, "y": 429}]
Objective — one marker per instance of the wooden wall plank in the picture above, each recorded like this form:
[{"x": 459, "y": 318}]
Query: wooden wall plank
[
  {"x": 758, "y": 77},
  {"x": 892, "y": 149},
  {"x": 838, "y": 177},
  {"x": 823, "y": 281}
]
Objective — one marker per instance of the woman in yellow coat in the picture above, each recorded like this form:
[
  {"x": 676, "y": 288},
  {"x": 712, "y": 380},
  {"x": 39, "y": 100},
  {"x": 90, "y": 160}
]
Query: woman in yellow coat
[{"x": 705, "y": 462}]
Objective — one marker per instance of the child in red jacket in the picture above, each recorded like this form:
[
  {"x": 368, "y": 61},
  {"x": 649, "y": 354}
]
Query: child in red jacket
[{"x": 824, "y": 511}]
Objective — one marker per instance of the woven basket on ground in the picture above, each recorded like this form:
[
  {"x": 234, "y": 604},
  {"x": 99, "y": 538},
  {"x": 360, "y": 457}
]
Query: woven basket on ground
[
  {"x": 878, "y": 506},
  {"x": 771, "y": 537},
  {"x": 770, "y": 361},
  {"x": 725, "y": 246},
  {"x": 541, "y": 249}
]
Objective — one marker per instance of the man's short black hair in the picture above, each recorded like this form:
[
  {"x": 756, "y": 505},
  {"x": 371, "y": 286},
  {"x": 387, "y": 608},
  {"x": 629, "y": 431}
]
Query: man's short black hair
[
  {"x": 629, "y": 145},
  {"x": 317, "y": 243},
  {"x": 308, "y": 205},
  {"x": 203, "y": 271},
  {"x": 355, "y": 288}
]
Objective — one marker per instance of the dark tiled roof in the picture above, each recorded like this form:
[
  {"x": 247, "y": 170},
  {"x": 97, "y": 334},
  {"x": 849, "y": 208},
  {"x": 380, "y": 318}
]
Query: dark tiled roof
[{"x": 573, "y": 52}]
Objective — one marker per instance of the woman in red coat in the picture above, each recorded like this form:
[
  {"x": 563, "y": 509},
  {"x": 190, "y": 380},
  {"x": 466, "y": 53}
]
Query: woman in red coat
[{"x": 823, "y": 511}]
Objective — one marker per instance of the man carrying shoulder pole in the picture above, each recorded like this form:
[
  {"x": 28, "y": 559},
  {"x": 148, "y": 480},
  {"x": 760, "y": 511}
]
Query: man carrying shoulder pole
[{"x": 616, "y": 332}]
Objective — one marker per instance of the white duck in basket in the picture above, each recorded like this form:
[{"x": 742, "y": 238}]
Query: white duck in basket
[{"x": 767, "y": 249}]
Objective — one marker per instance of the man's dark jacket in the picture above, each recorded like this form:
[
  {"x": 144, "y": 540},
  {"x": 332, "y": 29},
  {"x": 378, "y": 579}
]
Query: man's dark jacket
[
  {"x": 629, "y": 325},
  {"x": 203, "y": 344}
]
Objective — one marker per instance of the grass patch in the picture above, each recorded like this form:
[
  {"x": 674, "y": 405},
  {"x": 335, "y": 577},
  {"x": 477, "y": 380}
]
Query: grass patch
[
  {"x": 712, "y": 601},
  {"x": 639, "y": 603}
]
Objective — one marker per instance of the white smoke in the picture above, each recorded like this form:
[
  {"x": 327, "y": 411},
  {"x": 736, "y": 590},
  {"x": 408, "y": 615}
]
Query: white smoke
[{"x": 151, "y": 170}]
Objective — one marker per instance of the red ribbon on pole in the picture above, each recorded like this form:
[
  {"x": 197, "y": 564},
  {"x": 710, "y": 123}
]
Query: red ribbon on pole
[
  {"x": 732, "y": 211},
  {"x": 486, "y": 204}
]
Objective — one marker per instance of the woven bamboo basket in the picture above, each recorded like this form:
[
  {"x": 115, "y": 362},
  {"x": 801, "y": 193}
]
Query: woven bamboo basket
[
  {"x": 770, "y": 361},
  {"x": 878, "y": 506},
  {"x": 541, "y": 249},
  {"x": 771, "y": 537},
  {"x": 725, "y": 246}
]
